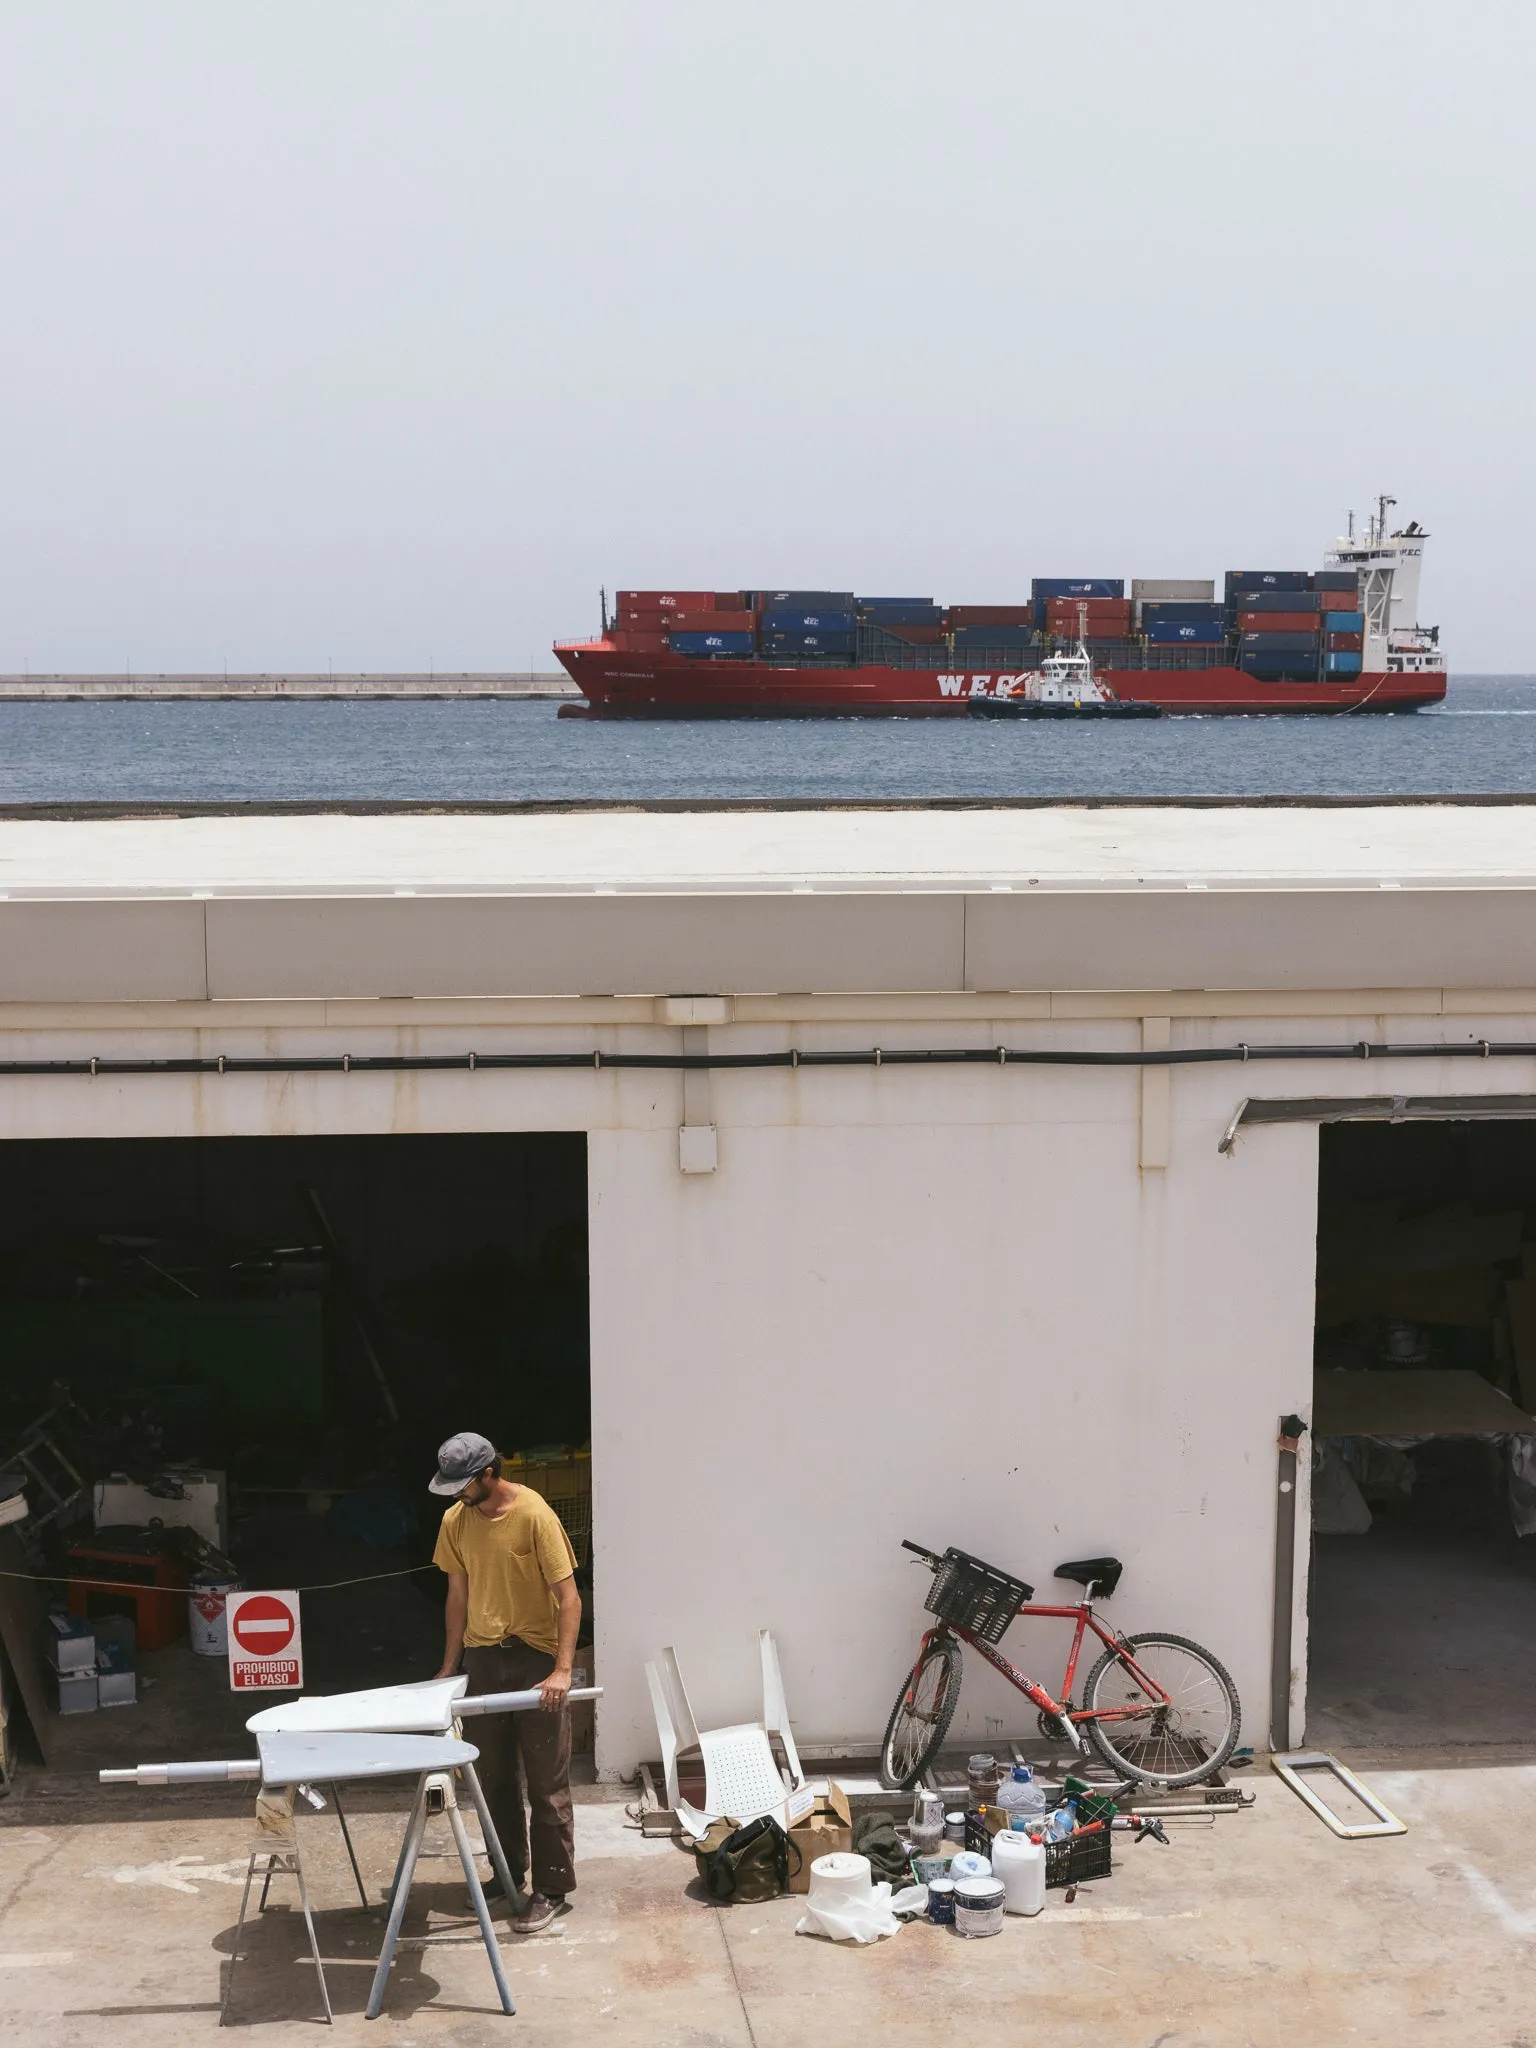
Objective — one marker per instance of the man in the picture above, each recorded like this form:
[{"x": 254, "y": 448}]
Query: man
[{"x": 513, "y": 1611}]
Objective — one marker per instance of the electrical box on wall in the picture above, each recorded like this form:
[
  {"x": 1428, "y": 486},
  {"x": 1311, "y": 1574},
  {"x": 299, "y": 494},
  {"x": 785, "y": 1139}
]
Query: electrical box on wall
[{"x": 697, "y": 1149}]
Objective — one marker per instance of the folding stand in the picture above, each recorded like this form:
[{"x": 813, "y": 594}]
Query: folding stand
[
  {"x": 434, "y": 1792},
  {"x": 285, "y": 1862}
]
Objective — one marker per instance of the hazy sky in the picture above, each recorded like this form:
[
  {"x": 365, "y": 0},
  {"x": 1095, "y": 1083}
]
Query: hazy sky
[{"x": 381, "y": 333}]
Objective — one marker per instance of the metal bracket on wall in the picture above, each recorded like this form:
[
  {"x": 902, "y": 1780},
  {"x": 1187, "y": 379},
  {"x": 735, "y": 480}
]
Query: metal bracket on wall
[{"x": 1290, "y": 1763}]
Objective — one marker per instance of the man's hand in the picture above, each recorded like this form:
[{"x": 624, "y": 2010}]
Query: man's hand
[
  {"x": 554, "y": 1689},
  {"x": 448, "y": 1670}
]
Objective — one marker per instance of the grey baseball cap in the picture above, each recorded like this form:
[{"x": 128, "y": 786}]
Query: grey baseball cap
[{"x": 459, "y": 1460}]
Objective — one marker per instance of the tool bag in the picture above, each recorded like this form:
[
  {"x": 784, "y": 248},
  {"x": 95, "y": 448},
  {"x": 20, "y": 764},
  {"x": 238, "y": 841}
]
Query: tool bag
[{"x": 744, "y": 1866}]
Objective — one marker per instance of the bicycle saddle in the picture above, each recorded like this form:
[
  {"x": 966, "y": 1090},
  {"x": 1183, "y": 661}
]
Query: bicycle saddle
[{"x": 1102, "y": 1573}]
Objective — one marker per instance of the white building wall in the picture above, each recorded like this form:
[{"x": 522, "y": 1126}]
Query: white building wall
[{"x": 940, "y": 1303}]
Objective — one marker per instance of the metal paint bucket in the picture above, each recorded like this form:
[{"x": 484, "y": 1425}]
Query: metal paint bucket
[{"x": 207, "y": 1620}]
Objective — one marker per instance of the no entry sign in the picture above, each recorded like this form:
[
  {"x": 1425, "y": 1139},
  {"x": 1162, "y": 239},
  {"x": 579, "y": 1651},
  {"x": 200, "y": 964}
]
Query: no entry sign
[{"x": 266, "y": 1650}]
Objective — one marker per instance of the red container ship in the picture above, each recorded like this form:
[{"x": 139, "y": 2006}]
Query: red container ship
[{"x": 1342, "y": 638}]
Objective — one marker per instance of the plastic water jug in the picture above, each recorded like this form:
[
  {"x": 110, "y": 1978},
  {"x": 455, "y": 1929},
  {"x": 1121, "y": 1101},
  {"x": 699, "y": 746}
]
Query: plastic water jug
[
  {"x": 1019, "y": 1866},
  {"x": 1063, "y": 1821},
  {"x": 1020, "y": 1797}
]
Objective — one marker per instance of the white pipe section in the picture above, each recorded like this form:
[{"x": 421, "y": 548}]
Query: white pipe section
[
  {"x": 516, "y": 1702},
  {"x": 184, "y": 1774}
]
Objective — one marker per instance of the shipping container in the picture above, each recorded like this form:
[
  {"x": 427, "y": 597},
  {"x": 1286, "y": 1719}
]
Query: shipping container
[
  {"x": 806, "y": 600},
  {"x": 665, "y": 601},
  {"x": 1336, "y": 579},
  {"x": 1020, "y": 637},
  {"x": 792, "y": 619},
  {"x": 715, "y": 622},
  {"x": 1296, "y": 668},
  {"x": 1279, "y": 643},
  {"x": 808, "y": 643},
  {"x": 1343, "y": 622},
  {"x": 1344, "y": 643},
  {"x": 1276, "y": 622},
  {"x": 1191, "y": 632},
  {"x": 638, "y": 640},
  {"x": 1021, "y": 614},
  {"x": 1077, "y": 586},
  {"x": 1109, "y": 617},
  {"x": 1275, "y": 601},
  {"x": 712, "y": 643},
  {"x": 1342, "y": 664},
  {"x": 898, "y": 611},
  {"x": 1190, "y": 612},
  {"x": 1239, "y": 580},
  {"x": 733, "y": 601},
  {"x": 1158, "y": 589},
  {"x": 918, "y": 636}
]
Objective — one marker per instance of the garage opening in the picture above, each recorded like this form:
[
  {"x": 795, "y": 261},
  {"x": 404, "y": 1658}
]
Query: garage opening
[
  {"x": 248, "y": 1350},
  {"x": 1423, "y": 1579}
]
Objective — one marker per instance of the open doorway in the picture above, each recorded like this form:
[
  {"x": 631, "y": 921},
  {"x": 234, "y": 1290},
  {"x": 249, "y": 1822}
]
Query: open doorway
[
  {"x": 1423, "y": 1582},
  {"x": 266, "y": 1339}
]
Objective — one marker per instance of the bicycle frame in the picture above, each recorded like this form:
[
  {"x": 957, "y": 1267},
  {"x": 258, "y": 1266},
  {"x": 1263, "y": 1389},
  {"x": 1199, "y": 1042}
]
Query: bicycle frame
[{"x": 1085, "y": 1619}]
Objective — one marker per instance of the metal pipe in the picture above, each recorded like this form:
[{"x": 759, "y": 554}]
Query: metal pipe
[
  {"x": 184, "y": 1774},
  {"x": 516, "y": 1702},
  {"x": 872, "y": 1056}
]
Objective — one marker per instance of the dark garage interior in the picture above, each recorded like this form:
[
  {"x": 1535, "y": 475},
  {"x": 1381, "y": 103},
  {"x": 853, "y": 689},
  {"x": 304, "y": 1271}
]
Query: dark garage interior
[
  {"x": 281, "y": 1330},
  {"x": 1423, "y": 1579}
]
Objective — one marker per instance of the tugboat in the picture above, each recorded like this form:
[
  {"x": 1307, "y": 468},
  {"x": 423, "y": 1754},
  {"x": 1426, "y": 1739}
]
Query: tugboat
[{"x": 1064, "y": 686}]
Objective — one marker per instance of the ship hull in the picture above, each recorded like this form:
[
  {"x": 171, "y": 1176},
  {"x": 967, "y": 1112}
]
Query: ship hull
[{"x": 617, "y": 684}]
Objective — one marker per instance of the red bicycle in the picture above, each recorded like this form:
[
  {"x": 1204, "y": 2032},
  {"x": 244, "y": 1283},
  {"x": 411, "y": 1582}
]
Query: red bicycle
[{"x": 1157, "y": 1709}]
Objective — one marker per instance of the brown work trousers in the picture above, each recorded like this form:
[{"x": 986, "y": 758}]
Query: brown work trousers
[{"x": 525, "y": 1756}]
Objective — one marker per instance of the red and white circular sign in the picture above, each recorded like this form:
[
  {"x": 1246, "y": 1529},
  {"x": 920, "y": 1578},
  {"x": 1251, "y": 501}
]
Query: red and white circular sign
[{"x": 263, "y": 1626}]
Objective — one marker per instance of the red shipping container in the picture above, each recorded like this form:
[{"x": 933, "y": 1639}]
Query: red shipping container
[
  {"x": 667, "y": 601},
  {"x": 729, "y": 601},
  {"x": 1345, "y": 643},
  {"x": 991, "y": 615},
  {"x": 638, "y": 640},
  {"x": 1107, "y": 617},
  {"x": 918, "y": 636},
  {"x": 714, "y": 622},
  {"x": 1277, "y": 622}
]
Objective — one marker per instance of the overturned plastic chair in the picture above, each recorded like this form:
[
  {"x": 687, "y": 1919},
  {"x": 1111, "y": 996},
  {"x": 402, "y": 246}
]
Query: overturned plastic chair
[{"x": 742, "y": 1777}]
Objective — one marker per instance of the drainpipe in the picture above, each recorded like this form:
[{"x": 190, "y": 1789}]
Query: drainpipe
[{"x": 1292, "y": 1429}]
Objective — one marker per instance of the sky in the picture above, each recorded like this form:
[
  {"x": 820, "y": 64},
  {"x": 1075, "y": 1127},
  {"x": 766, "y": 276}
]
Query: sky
[{"x": 386, "y": 333}]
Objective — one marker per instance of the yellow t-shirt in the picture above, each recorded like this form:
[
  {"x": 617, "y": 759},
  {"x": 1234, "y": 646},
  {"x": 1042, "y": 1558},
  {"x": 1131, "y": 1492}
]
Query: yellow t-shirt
[{"x": 513, "y": 1565}]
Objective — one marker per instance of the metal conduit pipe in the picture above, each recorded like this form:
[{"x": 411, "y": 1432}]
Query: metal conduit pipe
[{"x": 873, "y": 1056}]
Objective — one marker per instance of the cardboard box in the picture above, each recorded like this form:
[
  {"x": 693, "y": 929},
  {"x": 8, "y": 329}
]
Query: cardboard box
[
  {"x": 825, "y": 1831},
  {"x": 77, "y": 1692}
]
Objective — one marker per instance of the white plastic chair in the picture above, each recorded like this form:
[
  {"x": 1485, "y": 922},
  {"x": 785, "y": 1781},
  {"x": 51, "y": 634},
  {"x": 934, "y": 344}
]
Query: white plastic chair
[{"x": 742, "y": 1778}]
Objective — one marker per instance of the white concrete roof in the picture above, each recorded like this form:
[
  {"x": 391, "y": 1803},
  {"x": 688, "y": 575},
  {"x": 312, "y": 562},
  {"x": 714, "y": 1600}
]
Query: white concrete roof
[
  {"x": 712, "y": 850},
  {"x": 767, "y": 902}
]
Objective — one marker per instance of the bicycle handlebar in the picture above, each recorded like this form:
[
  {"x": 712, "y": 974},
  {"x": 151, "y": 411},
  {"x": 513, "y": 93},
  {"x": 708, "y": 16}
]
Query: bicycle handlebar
[{"x": 928, "y": 1556}]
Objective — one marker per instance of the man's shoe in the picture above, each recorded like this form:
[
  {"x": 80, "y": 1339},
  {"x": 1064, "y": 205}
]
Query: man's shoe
[
  {"x": 537, "y": 1914},
  {"x": 492, "y": 1886}
]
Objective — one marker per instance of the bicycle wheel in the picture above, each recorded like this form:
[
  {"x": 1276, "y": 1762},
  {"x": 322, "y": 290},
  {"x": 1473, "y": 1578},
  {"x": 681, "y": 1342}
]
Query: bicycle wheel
[
  {"x": 1178, "y": 1744},
  {"x": 920, "y": 1719}
]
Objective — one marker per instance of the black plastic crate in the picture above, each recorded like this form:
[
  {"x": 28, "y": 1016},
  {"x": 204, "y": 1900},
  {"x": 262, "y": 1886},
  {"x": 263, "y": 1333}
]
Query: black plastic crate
[
  {"x": 976, "y": 1596},
  {"x": 1077, "y": 1858}
]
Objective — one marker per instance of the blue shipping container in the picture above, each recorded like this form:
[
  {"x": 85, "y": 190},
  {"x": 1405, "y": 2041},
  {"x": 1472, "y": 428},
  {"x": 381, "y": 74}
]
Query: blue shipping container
[
  {"x": 1266, "y": 579},
  {"x": 1190, "y": 632},
  {"x": 710, "y": 643},
  {"x": 900, "y": 604},
  {"x": 1275, "y": 601},
  {"x": 795, "y": 619},
  {"x": 887, "y": 613},
  {"x": 1200, "y": 613},
  {"x": 1343, "y": 622},
  {"x": 1337, "y": 579},
  {"x": 808, "y": 643},
  {"x": 1279, "y": 643},
  {"x": 1077, "y": 586},
  {"x": 1343, "y": 664},
  {"x": 808, "y": 600}
]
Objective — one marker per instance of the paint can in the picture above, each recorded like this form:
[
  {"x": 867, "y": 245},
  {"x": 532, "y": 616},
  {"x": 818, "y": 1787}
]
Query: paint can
[
  {"x": 980, "y": 1903},
  {"x": 954, "y": 1827},
  {"x": 207, "y": 1621},
  {"x": 941, "y": 1901}
]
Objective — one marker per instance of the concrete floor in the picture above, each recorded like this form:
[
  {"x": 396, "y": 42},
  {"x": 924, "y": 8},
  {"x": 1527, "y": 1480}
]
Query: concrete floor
[
  {"x": 1421, "y": 1638},
  {"x": 1258, "y": 1930}
]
